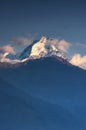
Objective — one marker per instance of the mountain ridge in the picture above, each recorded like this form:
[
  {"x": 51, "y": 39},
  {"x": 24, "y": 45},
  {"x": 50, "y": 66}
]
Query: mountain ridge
[{"x": 36, "y": 50}]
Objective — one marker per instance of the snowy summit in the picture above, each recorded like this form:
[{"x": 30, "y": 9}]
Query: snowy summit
[{"x": 43, "y": 48}]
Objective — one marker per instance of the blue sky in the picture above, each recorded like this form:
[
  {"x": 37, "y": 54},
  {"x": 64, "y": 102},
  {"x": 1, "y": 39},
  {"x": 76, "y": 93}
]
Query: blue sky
[{"x": 62, "y": 19}]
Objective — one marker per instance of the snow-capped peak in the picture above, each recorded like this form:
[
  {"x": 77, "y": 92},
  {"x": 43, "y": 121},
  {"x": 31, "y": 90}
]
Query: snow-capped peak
[
  {"x": 45, "y": 48},
  {"x": 38, "y": 49},
  {"x": 43, "y": 40}
]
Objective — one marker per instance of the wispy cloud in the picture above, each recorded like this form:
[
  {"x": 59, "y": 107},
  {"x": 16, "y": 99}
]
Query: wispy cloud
[
  {"x": 7, "y": 49},
  {"x": 5, "y": 59},
  {"x": 81, "y": 45},
  {"x": 64, "y": 45},
  {"x": 79, "y": 60},
  {"x": 60, "y": 44},
  {"x": 22, "y": 41}
]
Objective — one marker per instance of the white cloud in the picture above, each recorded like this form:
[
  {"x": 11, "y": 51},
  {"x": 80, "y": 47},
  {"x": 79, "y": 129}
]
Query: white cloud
[
  {"x": 7, "y": 48},
  {"x": 60, "y": 44},
  {"x": 5, "y": 51},
  {"x": 79, "y": 60},
  {"x": 1, "y": 55},
  {"x": 63, "y": 45},
  {"x": 10, "y": 61},
  {"x": 3, "y": 58}
]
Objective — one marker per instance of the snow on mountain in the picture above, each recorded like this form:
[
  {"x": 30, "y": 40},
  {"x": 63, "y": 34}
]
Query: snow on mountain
[
  {"x": 40, "y": 49},
  {"x": 45, "y": 47},
  {"x": 26, "y": 51}
]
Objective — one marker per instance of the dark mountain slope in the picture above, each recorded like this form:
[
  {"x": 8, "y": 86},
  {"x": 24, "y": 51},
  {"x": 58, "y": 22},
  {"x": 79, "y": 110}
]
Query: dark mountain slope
[
  {"x": 27, "y": 51},
  {"x": 56, "y": 85},
  {"x": 20, "y": 111}
]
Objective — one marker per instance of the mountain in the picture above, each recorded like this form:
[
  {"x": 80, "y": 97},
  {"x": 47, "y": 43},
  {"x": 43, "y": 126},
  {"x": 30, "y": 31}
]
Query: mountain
[
  {"x": 42, "y": 90},
  {"x": 41, "y": 48},
  {"x": 45, "y": 47},
  {"x": 26, "y": 51},
  {"x": 42, "y": 94}
]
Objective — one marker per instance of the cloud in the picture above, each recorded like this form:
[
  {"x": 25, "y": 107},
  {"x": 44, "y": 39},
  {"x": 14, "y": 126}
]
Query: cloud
[
  {"x": 3, "y": 58},
  {"x": 60, "y": 44},
  {"x": 10, "y": 49},
  {"x": 63, "y": 45},
  {"x": 81, "y": 45},
  {"x": 7, "y": 60},
  {"x": 22, "y": 41},
  {"x": 7, "y": 49},
  {"x": 79, "y": 60}
]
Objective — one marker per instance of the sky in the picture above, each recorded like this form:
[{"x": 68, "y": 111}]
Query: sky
[{"x": 61, "y": 19}]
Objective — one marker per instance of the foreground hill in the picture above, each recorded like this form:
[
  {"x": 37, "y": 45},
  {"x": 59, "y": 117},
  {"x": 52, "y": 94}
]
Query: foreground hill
[{"x": 43, "y": 94}]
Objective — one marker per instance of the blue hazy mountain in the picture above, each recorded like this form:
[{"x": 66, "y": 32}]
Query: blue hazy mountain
[{"x": 41, "y": 94}]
